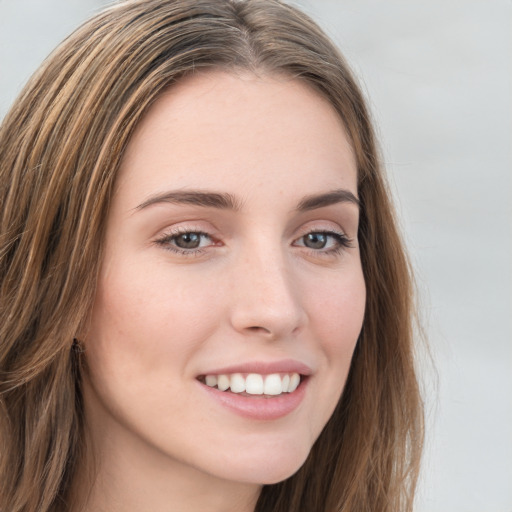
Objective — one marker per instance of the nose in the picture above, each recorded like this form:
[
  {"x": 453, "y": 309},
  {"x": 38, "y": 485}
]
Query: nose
[{"x": 266, "y": 298}]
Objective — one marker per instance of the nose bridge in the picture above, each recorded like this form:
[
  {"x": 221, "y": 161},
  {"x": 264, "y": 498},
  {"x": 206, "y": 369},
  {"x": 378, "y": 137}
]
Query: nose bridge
[{"x": 266, "y": 300}]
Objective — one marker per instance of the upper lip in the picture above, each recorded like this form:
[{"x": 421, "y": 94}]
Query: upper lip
[{"x": 263, "y": 368}]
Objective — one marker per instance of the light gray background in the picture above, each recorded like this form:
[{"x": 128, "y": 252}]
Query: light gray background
[{"x": 438, "y": 77}]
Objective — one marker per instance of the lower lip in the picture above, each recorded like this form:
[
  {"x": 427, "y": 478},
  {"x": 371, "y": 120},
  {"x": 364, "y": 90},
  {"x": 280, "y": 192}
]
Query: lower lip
[{"x": 258, "y": 407}]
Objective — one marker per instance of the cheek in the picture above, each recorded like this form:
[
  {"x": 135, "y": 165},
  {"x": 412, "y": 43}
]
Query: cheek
[
  {"x": 336, "y": 317},
  {"x": 337, "y": 311},
  {"x": 143, "y": 333},
  {"x": 149, "y": 319}
]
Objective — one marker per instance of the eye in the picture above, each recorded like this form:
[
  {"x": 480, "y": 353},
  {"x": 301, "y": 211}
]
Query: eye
[
  {"x": 190, "y": 240},
  {"x": 186, "y": 242},
  {"x": 324, "y": 241},
  {"x": 316, "y": 240}
]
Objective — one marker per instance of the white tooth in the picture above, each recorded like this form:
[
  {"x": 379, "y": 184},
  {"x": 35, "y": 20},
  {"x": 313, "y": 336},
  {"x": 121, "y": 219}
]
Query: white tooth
[
  {"x": 286, "y": 383},
  {"x": 294, "y": 382},
  {"x": 223, "y": 382},
  {"x": 254, "y": 384},
  {"x": 211, "y": 380},
  {"x": 237, "y": 383},
  {"x": 273, "y": 384}
]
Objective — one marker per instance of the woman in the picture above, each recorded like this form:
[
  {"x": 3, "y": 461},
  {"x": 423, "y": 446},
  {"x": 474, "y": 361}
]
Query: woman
[{"x": 205, "y": 304}]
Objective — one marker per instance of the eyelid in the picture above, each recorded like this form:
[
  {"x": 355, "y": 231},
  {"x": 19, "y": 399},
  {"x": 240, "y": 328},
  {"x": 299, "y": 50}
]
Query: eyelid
[
  {"x": 342, "y": 240},
  {"x": 187, "y": 226},
  {"x": 165, "y": 240},
  {"x": 339, "y": 240}
]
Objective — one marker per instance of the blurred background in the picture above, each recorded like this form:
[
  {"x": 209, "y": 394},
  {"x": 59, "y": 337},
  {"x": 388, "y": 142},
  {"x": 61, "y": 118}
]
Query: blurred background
[{"x": 438, "y": 78}]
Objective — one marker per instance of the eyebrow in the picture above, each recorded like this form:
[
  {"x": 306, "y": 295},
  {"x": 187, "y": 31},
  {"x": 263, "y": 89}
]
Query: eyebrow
[
  {"x": 225, "y": 201},
  {"x": 218, "y": 200},
  {"x": 321, "y": 200}
]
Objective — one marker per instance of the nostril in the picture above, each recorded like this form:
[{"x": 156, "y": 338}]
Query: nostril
[{"x": 256, "y": 328}]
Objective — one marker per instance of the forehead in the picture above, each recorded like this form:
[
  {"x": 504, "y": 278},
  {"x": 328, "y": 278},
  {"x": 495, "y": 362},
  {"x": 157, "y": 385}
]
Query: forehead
[{"x": 223, "y": 128}]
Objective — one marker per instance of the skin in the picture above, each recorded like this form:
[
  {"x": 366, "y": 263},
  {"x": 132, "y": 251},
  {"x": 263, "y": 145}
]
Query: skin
[{"x": 254, "y": 290}]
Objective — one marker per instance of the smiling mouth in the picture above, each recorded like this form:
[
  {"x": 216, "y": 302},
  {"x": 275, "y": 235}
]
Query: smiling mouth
[{"x": 254, "y": 384}]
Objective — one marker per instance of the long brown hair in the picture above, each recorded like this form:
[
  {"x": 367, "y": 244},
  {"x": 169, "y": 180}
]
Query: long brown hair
[{"x": 60, "y": 149}]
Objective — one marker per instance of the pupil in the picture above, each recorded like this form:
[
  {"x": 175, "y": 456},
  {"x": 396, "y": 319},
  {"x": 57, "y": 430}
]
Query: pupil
[
  {"x": 188, "y": 240},
  {"x": 315, "y": 240}
]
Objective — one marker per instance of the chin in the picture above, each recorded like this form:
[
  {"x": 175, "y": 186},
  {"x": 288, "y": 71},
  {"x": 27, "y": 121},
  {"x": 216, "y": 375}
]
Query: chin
[{"x": 268, "y": 468}]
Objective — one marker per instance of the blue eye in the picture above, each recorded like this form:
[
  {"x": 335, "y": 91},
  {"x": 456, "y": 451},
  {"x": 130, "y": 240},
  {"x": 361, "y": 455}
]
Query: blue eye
[
  {"x": 324, "y": 241},
  {"x": 186, "y": 242}
]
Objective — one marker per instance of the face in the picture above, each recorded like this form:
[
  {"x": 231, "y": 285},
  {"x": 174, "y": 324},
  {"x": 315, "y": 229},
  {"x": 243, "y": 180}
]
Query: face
[{"x": 231, "y": 259}]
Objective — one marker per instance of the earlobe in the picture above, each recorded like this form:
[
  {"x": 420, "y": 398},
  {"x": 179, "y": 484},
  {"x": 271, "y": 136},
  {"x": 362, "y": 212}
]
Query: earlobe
[{"x": 77, "y": 346}]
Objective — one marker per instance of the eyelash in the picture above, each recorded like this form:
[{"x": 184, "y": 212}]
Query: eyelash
[
  {"x": 166, "y": 241},
  {"x": 342, "y": 242}
]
